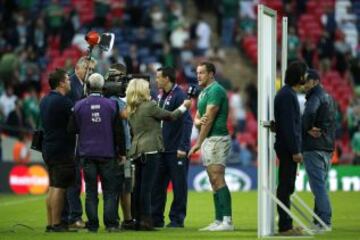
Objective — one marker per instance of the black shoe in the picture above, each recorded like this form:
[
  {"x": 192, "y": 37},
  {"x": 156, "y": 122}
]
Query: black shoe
[
  {"x": 175, "y": 225},
  {"x": 48, "y": 228},
  {"x": 128, "y": 225},
  {"x": 61, "y": 228},
  {"x": 146, "y": 224},
  {"x": 159, "y": 225},
  {"x": 113, "y": 229},
  {"x": 92, "y": 230}
]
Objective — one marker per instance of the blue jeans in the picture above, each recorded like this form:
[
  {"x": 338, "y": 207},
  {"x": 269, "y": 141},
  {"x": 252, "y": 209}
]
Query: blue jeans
[
  {"x": 317, "y": 165},
  {"x": 227, "y": 34},
  {"x": 73, "y": 210},
  {"x": 106, "y": 170}
]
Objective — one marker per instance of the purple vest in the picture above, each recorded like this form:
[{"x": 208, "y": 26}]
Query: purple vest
[{"x": 95, "y": 116}]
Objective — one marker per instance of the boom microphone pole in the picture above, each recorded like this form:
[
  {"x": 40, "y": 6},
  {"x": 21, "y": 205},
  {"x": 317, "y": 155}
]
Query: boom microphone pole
[{"x": 105, "y": 43}]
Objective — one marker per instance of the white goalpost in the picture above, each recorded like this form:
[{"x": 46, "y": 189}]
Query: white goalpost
[
  {"x": 266, "y": 88},
  {"x": 267, "y": 200}
]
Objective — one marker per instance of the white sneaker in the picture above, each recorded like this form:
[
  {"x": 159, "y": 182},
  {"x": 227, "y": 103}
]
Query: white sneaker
[
  {"x": 319, "y": 228},
  {"x": 210, "y": 226},
  {"x": 224, "y": 226}
]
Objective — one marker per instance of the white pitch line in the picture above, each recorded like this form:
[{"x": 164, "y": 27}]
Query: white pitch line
[{"x": 4, "y": 204}]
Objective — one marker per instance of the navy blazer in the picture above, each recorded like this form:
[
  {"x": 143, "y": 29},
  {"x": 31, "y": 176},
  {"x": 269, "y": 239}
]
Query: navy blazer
[{"x": 288, "y": 121}]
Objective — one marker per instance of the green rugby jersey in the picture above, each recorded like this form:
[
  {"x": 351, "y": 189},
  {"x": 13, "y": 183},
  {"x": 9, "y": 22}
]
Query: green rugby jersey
[{"x": 215, "y": 94}]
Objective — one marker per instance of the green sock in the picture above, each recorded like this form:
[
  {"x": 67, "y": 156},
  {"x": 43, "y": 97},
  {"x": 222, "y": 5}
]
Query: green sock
[
  {"x": 218, "y": 215},
  {"x": 225, "y": 201}
]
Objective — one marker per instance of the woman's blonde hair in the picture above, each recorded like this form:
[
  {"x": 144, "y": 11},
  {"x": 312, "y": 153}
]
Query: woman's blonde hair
[{"x": 137, "y": 92}]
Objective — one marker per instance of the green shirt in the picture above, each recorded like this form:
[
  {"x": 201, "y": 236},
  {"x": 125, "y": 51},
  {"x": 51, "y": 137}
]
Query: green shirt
[
  {"x": 355, "y": 143},
  {"x": 215, "y": 94}
]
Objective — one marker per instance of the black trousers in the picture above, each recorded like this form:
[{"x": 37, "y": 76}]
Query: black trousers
[
  {"x": 175, "y": 170},
  {"x": 286, "y": 187},
  {"x": 145, "y": 172}
]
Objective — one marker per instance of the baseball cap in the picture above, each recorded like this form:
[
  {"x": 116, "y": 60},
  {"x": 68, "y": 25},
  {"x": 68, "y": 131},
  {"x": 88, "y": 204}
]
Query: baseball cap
[{"x": 312, "y": 74}]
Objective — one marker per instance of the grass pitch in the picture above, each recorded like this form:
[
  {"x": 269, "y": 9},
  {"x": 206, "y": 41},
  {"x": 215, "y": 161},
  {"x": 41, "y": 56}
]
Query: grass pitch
[{"x": 30, "y": 211}]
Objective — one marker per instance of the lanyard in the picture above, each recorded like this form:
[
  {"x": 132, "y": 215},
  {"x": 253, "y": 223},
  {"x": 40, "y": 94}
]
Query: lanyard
[{"x": 165, "y": 101}]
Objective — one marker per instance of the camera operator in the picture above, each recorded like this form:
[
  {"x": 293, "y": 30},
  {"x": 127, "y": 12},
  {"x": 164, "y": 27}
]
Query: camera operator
[
  {"x": 72, "y": 212},
  {"x": 173, "y": 164},
  {"x": 101, "y": 140},
  {"x": 145, "y": 118},
  {"x": 117, "y": 73}
]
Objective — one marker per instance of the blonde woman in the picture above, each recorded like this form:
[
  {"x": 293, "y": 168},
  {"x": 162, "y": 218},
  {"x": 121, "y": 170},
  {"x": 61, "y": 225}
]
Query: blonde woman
[{"x": 145, "y": 118}]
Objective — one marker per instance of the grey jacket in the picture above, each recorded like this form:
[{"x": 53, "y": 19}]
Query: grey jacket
[{"x": 146, "y": 128}]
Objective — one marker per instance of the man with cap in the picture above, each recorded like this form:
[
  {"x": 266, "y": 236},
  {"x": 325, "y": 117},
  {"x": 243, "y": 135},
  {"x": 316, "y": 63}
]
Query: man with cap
[{"x": 318, "y": 123}]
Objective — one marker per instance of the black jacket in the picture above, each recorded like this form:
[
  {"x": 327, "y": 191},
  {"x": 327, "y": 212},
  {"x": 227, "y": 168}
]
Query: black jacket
[
  {"x": 288, "y": 121},
  {"x": 320, "y": 112},
  {"x": 58, "y": 145}
]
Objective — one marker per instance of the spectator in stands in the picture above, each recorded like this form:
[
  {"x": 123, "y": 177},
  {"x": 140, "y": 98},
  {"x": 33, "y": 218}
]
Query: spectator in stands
[
  {"x": 54, "y": 14},
  {"x": 175, "y": 15},
  {"x": 328, "y": 21},
  {"x": 246, "y": 9},
  {"x": 214, "y": 141},
  {"x": 145, "y": 118},
  {"x": 217, "y": 56},
  {"x": 308, "y": 51},
  {"x": 289, "y": 10},
  {"x": 101, "y": 8},
  {"x": 288, "y": 140},
  {"x": 37, "y": 36},
  {"x": 293, "y": 45},
  {"x": 342, "y": 53},
  {"x": 67, "y": 31},
  {"x": 325, "y": 51},
  {"x": 228, "y": 18},
  {"x": 178, "y": 38},
  {"x": 203, "y": 34},
  {"x": 251, "y": 98},
  {"x": 21, "y": 30},
  {"x": 173, "y": 162},
  {"x": 7, "y": 101},
  {"x": 132, "y": 60},
  {"x": 319, "y": 127},
  {"x": 9, "y": 66},
  {"x": 31, "y": 108},
  {"x": 239, "y": 153},
  {"x": 353, "y": 116},
  {"x": 167, "y": 57},
  {"x": 58, "y": 147},
  {"x": 238, "y": 110},
  {"x": 355, "y": 144},
  {"x": 15, "y": 122},
  {"x": 159, "y": 26}
]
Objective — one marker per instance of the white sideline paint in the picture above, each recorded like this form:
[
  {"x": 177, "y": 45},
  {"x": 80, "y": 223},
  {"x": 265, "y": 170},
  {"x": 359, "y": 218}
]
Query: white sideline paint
[{"x": 22, "y": 201}]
